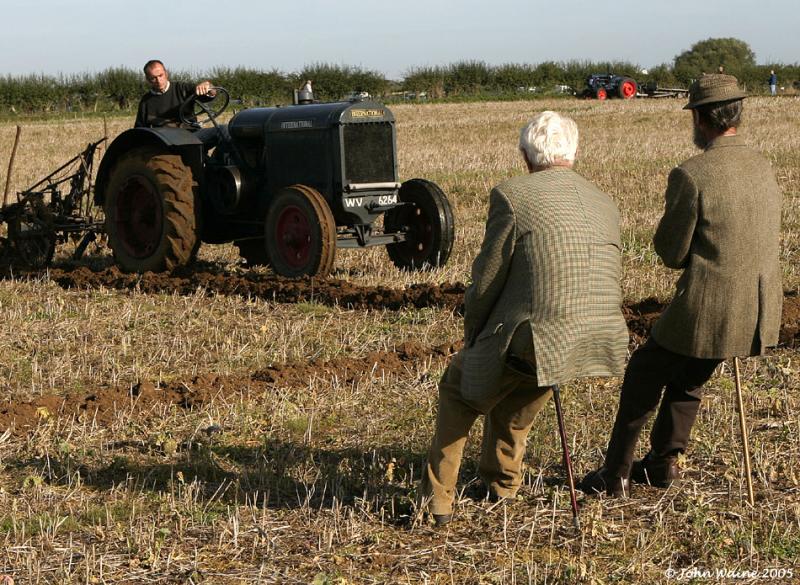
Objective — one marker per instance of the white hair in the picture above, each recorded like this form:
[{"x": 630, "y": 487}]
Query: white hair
[{"x": 549, "y": 138}]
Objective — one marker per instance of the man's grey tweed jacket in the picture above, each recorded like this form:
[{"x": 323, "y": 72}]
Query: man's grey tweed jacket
[
  {"x": 550, "y": 262},
  {"x": 721, "y": 225}
]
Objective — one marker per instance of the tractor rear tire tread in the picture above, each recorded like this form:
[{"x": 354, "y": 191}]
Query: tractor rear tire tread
[
  {"x": 178, "y": 208},
  {"x": 174, "y": 182}
]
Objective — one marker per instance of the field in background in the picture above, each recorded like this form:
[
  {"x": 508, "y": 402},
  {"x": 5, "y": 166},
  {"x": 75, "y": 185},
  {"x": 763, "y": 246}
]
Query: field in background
[{"x": 311, "y": 478}]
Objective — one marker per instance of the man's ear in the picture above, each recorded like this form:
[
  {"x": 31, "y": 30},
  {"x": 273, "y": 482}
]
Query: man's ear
[{"x": 527, "y": 162}]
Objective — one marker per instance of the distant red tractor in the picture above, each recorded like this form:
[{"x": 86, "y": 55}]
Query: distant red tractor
[{"x": 603, "y": 86}]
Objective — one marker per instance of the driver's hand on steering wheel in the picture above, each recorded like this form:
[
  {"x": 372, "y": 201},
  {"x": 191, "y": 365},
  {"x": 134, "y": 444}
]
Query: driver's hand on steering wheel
[{"x": 205, "y": 88}]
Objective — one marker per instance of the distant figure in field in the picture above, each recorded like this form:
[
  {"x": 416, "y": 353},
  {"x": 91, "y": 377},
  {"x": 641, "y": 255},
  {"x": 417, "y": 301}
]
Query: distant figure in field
[
  {"x": 721, "y": 69},
  {"x": 721, "y": 226},
  {"x": 773, "y": 82},
  {"x": 544, "y": 307},
  {"x": 160, "y": 105}
]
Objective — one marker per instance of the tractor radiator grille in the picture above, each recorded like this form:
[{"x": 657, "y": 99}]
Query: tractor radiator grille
[{"x": 369, "y": 152}]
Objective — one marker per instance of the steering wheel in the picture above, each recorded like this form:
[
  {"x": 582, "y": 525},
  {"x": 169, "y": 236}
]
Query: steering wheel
[{"x": 196, "y": 111}]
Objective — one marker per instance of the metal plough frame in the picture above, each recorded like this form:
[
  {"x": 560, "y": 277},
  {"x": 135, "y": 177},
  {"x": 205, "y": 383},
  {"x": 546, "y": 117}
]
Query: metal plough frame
[{"x": 57, "y": 208}]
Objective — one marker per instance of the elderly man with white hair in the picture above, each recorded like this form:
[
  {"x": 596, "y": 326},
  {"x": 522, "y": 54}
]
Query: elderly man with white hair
[{"x": 544, "y": 307}]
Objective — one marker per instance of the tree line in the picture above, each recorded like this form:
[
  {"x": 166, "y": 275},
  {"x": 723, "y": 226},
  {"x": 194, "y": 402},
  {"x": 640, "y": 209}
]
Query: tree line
[{"x": 120, "y": 88}]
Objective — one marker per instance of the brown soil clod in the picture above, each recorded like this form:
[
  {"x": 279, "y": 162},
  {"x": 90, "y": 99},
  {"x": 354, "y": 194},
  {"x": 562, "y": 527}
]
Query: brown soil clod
[
  {"x": 104, "y": 405},
  {"x": 327, "y": 291},
  {"x": 790, "y": 320},
  {"x": 640, "y": 315}
]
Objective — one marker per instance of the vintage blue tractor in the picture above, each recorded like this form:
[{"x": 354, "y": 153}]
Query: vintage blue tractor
[{"x": 287, "y": 185}]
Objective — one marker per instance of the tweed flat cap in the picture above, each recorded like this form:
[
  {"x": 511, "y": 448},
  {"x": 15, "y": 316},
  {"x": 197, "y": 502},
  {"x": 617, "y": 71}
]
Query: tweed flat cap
[{"x": 713, "y": 88}]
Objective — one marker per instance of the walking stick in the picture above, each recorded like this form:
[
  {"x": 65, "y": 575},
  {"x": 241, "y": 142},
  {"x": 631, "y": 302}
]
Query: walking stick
[
  {"x": 743, "y": 425},
  {"x": 567, "y": 461}
]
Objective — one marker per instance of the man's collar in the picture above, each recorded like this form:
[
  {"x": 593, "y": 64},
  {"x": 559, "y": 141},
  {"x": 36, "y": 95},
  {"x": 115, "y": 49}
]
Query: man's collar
[
  {"x": 166, "y": 89},
  {"x": 560, "y": 165},
  {"x": 721, "y": 141}
]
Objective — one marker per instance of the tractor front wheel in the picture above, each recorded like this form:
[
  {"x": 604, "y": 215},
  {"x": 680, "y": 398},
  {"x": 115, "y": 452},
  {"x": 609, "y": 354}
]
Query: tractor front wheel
[
  {"x": 151, "y": 212},
  {"x": 427, "y": 220},
  {"x": 300, "y": 233},
  {"x": 601, "y": 93}
]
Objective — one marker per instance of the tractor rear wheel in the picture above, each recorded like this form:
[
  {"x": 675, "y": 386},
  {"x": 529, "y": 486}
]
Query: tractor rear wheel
[
  {"x": 151, "y": 212},
  {"x": 300, "y": 233},
  {"x": 601, "y": 93},
  {"x": 427, "y": 221},
  {"x": 627, "y": 88}
]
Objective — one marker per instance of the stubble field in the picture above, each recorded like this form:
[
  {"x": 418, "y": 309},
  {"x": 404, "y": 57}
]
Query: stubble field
[{"x": 220, "y": 426}]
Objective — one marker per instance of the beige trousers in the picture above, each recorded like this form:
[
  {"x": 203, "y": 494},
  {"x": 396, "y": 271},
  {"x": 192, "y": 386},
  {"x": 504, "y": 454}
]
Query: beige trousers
[{"x": 509, "y": 417}]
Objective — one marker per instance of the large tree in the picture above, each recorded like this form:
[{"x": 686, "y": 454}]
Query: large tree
[{"x": 709, "y": 55}]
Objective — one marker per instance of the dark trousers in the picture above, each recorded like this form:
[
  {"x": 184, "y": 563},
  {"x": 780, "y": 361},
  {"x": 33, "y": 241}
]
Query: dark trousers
[{"x": 650, "y": 370}]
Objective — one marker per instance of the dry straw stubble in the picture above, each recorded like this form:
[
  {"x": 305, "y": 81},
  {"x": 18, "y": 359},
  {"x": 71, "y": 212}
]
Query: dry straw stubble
[{"x": 314, "y": 482}]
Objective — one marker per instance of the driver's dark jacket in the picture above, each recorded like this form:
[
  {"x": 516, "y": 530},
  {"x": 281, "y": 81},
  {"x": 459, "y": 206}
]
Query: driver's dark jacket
[{"x": 161, "y": 109}]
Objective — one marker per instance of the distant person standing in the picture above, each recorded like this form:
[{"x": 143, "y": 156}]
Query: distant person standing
[
  {"x": 773, "y": 82},
  {"x": 161, "y": 105}
]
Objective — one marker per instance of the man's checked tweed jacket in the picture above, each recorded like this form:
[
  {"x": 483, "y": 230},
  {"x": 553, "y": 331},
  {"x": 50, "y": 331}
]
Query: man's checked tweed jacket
[
  {"x": 550, "y": 261},
  {"x": 721, "y": 225}
]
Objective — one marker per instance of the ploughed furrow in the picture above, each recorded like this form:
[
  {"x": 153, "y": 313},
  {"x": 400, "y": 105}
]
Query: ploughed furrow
[
  {"x": 327, "y": 291},
  {"x": 640, "y": 315},
  {"x": 104, "y": 404}
]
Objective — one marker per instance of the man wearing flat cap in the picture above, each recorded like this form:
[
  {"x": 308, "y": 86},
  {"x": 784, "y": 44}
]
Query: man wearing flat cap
[{"x": 721, "y": 227}]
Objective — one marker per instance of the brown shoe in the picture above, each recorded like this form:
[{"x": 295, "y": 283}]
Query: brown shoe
[
  {"x": 600, "y": 482},
  {"x": 657, "y": 471}
]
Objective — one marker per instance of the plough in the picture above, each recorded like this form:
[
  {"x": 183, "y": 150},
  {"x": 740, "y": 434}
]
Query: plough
[{"x": 58, "y": 208}]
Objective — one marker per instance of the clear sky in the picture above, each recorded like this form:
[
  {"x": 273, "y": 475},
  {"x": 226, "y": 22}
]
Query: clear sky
[{"x": 74, "y": 36}]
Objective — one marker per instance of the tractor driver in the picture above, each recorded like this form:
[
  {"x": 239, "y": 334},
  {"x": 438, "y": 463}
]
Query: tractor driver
[{"x": 160, "y": 105}]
